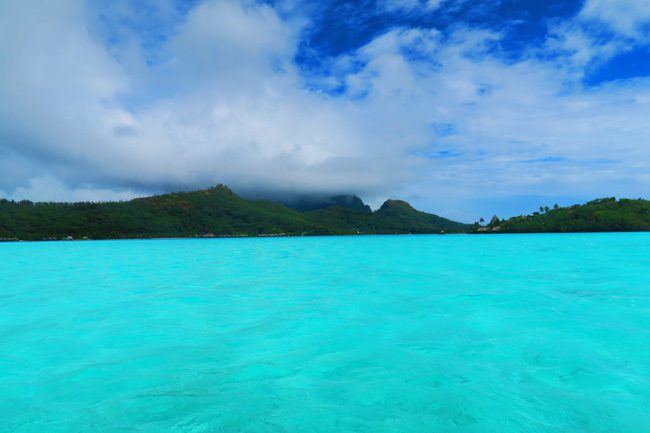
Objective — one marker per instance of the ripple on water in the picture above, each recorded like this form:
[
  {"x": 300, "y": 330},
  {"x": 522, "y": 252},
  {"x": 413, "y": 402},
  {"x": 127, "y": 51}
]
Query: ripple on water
[{"x": 530, "y": 333}]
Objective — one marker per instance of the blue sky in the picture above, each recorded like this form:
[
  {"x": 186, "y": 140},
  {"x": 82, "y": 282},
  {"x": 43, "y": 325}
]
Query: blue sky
[{"x": 464, "y": 108}]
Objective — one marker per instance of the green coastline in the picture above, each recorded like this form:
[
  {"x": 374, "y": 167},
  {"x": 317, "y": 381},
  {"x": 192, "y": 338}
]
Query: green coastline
[
  {"x": 218, "y": 212},
  {"x": 213, "y": 212},
  {"x": 601, "y": 215}
]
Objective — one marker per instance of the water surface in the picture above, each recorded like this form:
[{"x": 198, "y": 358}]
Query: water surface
[{"x": 506, "y": 333}]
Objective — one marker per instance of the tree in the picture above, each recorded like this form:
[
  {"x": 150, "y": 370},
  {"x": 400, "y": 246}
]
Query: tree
[
  {"x": 481, "y": 221},
  {"x": 546, "y": 209},
  {"x": 555, "y": 206}
]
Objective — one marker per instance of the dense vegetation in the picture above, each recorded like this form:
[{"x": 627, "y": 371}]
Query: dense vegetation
[
  {"x": 216, "y": 211},
  {"x": 394, "y": 216},
  {"x": 603, "y": 215},
  {"x": 309, "y": 203}
]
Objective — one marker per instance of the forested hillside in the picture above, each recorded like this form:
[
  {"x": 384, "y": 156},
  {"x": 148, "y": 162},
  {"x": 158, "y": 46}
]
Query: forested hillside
[
  {"x": 212, "y": 212},
  {"x": 602, "y": 215}
]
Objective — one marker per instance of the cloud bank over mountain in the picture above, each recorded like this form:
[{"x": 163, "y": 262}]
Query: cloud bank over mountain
[{"x": 432, "y": 101}]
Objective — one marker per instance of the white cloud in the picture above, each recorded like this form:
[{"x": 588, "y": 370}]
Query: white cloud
[
  {"x": 52, "y": 189},
  {"x": 410, "y": 5},
  {"x": 579, "y": 51},
  {"x": 522, "y": 128},
  {"x": 233, "y": 108},
  {"x": 630, "y": 18},
  {"x": 581, "y": 43},
  {"x": 432, "y": 118}
]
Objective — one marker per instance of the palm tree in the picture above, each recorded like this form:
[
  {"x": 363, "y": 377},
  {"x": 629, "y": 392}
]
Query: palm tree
[{"x": 481, "y": 221}]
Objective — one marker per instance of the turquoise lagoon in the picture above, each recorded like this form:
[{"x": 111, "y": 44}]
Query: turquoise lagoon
[{"x": 506, "y": 333}]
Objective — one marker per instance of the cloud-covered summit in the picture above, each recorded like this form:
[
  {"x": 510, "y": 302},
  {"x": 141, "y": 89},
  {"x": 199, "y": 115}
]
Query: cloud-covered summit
[{"x": 435, "y": 101}]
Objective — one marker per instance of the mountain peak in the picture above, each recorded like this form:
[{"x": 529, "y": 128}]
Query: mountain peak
[
  {"x": 310, "y": 203},
  {"x": 396, "y": 204},
  {"x": 221, "y": 188}
]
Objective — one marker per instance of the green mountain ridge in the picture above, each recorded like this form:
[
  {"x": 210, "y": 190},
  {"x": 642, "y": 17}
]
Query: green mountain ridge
[
  {"x": 211, "y": 212},
  {"x": 601, "y": 215},
  {"x": 310, "y": 203}
]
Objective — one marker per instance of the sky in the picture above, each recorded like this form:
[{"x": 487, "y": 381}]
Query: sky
[{"x": 463, "y": 108}]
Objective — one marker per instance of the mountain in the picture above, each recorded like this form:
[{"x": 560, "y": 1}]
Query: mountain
[
  {"x": 602, "y": 215},
  {"x": 212, "y": 212},
  {"x": 308, "y": 203},
  {"x": 394, "y": 216},
  {"x": 398, "y": 213}
]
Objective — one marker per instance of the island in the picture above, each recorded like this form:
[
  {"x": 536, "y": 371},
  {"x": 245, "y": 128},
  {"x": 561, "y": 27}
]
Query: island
[
  {"x": 213, "y": 212},
  {"x": 601, "y": 215},
  {"x": 219, "y": 212}
]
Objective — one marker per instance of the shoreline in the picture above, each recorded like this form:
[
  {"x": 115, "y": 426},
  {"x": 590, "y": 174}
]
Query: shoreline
[
  {"x": 261, "y": 236},
  {"x": 266, "y": 236}
]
